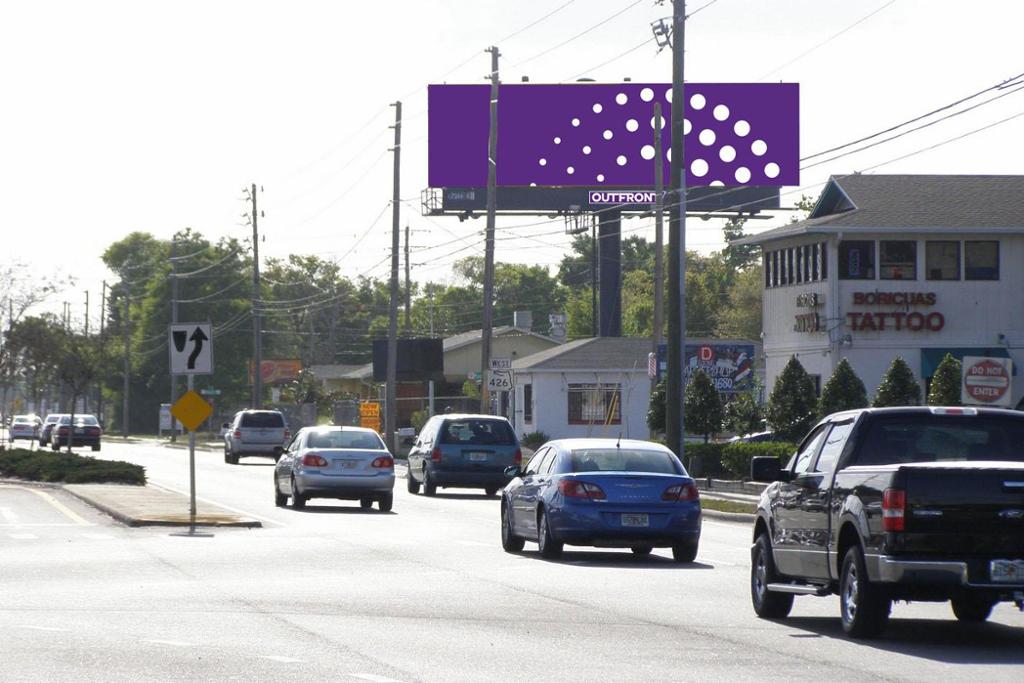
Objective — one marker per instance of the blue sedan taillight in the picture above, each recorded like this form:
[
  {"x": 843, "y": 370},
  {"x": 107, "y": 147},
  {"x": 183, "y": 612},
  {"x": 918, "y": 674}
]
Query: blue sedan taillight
[
  {"x": 571, "y": 488},
  {"x": 682, "y": 493}
]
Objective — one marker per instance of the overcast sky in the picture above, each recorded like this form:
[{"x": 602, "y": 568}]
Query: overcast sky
[{"x": 122, "y": 116}]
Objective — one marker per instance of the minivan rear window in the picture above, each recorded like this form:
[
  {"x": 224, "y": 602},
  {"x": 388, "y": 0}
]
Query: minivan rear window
[
  {"x": 623, "y": 460},
  {"x": 263, "y": 420},
  {"x": 478, "y": 432}
]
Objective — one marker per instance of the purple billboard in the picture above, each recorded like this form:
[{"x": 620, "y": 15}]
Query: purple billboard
[{"x": 594, "y": 134}]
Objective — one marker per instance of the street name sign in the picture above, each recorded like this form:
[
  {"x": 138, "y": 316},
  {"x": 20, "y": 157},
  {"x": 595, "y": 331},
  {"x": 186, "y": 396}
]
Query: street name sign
[{"x": 191, "y": 348}]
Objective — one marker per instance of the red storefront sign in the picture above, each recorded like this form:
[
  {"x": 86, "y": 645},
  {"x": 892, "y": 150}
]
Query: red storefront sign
[{"x": 882, "y": 321}]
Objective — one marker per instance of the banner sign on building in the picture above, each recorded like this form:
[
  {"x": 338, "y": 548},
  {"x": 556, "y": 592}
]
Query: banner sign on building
[
  {"x": 601, "y": 134},
  {"x": 277, "y": 371},
  {"x": 730, "y": 366}
]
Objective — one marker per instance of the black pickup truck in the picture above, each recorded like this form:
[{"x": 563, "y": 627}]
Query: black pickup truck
[{"x": 888, "y": 504}]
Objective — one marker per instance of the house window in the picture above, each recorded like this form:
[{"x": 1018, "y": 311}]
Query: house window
[
  {"x": 527, "y": 403},
  {"x": 856, "y": 260},
  {"x": 815, "y": 262},
  {"x": 897, "y": 260},
  {"x": 799, "y": 257},
  {"x": 981, "y": 260},
  {"x": 597, "y": 404},
  {"x": 942, "y": 260},
  {"x": 790, "y": 270},
  {"x": 807, "y": 262},
  {"x": 775, "y": 269},
  {"x": 824, "y": 260}
]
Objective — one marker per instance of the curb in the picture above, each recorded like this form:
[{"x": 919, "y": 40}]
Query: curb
[
  {"x": 183, "y": 521},
  {"x": 734, "y": 517}
]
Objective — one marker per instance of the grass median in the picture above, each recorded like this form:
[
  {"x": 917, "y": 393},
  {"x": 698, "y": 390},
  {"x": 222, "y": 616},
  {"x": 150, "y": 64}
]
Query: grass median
[
  {"x": 68, "y": 468},
  {"x": 721, "y": 505}
]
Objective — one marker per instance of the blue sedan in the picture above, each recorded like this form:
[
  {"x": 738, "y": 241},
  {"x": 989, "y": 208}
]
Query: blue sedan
[{"x": 605, "y": 493}]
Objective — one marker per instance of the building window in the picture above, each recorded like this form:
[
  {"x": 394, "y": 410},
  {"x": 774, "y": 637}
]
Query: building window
[
  {"x": 799, "y": 258},
  {"x": 824, "y": 260},
  {"x": 790, "y": 271},
  {"x": 857, "y": 260},
  {"x": 775, "y": 269},
  {"x": 942, "y": 260},
  {"x": 597, "y": 404},
  {"x": 981, "y": 260},
  {"x": 897, "y": 260},
  {"x": 527, "y": 403},
  {"x": 807, "y": 263}
]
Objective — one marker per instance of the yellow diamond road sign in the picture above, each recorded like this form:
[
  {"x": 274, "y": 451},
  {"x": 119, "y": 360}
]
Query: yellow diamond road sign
[{"x": 191, "y": 410}]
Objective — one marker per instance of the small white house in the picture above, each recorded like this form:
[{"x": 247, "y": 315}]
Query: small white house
[{"x": 589, "y": 387}]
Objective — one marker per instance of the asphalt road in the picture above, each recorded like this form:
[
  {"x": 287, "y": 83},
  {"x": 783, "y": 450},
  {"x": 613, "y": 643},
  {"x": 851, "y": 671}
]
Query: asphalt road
[{"x": 422, "y": 593}]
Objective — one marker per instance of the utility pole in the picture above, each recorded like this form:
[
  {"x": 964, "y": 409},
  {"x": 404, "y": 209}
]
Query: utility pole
[
  {"x": 492, "y": 203},
  {"x": 103, "y": 308},
  {"x": 659, "y": 238},
  {"x": 174, "y": 319},
  {"x": 674, "y": 427},
  {"x": 257, "y": 322},
  {"x": 87, "y": 313},
  {"x": 408, "y": 289},
  {"x": 125, "y": 402},
  {"x": 390, "y": 397}
]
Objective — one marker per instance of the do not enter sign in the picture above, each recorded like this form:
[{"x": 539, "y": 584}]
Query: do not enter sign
[{"x": 986, "y": 381}]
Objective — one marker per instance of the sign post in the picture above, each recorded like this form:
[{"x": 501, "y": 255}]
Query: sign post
[
  {"x": 191, "y": 353},
  {"x": 986, "y": 381}
]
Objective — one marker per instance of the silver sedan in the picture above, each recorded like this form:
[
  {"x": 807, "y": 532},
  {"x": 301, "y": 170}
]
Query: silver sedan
[{"x": 345, "y": 463}]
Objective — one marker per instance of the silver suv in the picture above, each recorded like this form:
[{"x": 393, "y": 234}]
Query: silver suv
[{"x": 255, "y": 432}]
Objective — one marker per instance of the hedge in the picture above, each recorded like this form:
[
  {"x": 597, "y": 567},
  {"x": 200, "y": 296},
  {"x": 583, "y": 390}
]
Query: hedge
[
  {"x": 705, "y": 459},
  {"x": 736, "y": 456},
  {"x": 68, "y": 468}
]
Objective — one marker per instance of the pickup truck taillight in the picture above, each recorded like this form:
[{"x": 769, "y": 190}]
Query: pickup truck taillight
[
  {"x": 894, "y": 509},
  {"x": 287, "y": 435}
]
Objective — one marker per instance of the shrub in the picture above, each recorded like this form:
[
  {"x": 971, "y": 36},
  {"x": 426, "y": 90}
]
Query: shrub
[
  {"x": 898, "y": 387},
  {"x": 945, "y": 387},
  {"x": 534, "y": 440},
  {"x": 705, "y": 459},
  {"x": 736, "y": 456},
  {"x": 792, "y": 406},
  {"x": 844, "y": 390},
  {"x": 656, "y": 408},
  {"x": 418, "y": 419},
  {"x": 702, "y": 406},
  {"x": 68, "y": 468},
  {"x": 743, "y": 414}
]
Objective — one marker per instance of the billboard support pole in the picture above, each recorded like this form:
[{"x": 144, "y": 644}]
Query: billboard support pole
[
  {"x": 659, "y": 236},
  {"x": 492, "y": 203},
  {"x": 257, "y": 320},
  {"x": 674, "y": 426},
  {"x": 390, "y": 403}
]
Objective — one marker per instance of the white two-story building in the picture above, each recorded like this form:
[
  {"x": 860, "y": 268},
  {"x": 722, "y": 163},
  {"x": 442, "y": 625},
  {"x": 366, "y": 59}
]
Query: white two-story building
[{"x": 914, "y": 266}]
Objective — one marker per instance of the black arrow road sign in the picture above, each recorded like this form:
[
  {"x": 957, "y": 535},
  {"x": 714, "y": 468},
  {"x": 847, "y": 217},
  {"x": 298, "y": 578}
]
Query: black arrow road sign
[{"x": 198, "y": 337}]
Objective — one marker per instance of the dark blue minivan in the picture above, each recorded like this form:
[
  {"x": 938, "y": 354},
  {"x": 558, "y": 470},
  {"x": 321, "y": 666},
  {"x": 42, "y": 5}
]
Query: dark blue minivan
[{"x": 463, "y": 451}]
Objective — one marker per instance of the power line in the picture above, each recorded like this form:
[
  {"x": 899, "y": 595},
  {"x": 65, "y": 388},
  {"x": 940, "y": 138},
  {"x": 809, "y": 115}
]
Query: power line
[{"x": 578, "y": 35}]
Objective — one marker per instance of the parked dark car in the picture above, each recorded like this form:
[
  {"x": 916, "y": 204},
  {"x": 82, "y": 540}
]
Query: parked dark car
[
  {"x": 47, "y": 427},
  {"x": 602, "y": 492},
  {"x": 463, "y": 451},
  {"x": 876, "y": 505},
  {"x": 85, "y": 431}
]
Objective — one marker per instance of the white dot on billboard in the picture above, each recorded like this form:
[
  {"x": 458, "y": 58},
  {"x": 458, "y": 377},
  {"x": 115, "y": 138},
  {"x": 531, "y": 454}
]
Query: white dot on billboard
[
  {"x": 721, "y": 112},
  {"x": 598, "y": 108},
  {"x": 743, "y": 174},
  {"x": 772, "y": 170},
  {"x": 647, "y": 152},
  {"x": 716, "y": 183},
  {"x": 607, "y": 135},
  {"x": 699, "y": 168},
  {"x": 543, "y": 162},
  {"x": 646, "y": 94},
  {"x": 558, "y": 141},
  {"x": 621, "y": 160},
  {"x": 727, "y": 153},
  {"x": 742, "y": 128},
  {"x": 668, "y": 95},
  {"x": 759, "y": 147},
  {"x": 632, "y": 126},
  {"x": 707, "y": 137},
  {"x": 575, "y": 123},
  {"x": 621, "y": 98},
  {"x": 586, "y": 149},
  {"x": 657, "y": 123},
  {"x": 570, "y": 170},
  {"x": 698, "y": 101},
  {"x": 600, "y": 177},
  {"x": 687, "y": 126}
]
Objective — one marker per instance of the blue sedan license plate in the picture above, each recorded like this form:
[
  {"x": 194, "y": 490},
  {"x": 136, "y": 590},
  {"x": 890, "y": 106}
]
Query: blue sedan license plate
[
  {"x": 1006, "y": 571},
  {"x": 635, "y": 520}
]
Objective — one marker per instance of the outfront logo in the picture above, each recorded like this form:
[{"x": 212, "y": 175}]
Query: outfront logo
[{"x": 619, "y": 197}]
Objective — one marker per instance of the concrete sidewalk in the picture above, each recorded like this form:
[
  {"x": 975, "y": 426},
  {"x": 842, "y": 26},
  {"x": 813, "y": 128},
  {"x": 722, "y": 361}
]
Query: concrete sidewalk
[{"x": 154, "y": 506}]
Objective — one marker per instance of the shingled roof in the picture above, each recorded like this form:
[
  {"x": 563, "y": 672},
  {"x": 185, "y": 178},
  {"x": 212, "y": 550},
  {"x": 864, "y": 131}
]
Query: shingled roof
[
  {"x": 911, "y": 202},
  {"x": 594, "y": 353}
]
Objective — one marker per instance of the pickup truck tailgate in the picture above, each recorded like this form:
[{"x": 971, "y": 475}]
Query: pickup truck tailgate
[{"x": 972, "y": 508}]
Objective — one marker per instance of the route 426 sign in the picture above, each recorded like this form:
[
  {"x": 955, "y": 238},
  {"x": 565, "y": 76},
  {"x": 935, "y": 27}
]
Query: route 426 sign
[{"x": 191, "y": 348}]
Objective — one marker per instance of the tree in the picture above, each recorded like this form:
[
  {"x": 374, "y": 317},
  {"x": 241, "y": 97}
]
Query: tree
[
  {"x": 702, "y": 406},
  {"x": 844, "y": 390},
  {"x": 898, "y": 387},
  {"x": 743, "y": 414},
  {"x": 656, "y": 408},
  {"x": 945, "y": 386},
  {"x": 81, "y": 360},
  {"x": 792, "y": 406},
  {"x": 742, "y": 316},
  {"x": 738, "y": 257}
]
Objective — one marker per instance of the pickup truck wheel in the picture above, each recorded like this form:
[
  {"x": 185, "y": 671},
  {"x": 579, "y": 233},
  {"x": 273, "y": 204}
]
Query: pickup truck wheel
[
  {"x": 864, "y": 607},
  {"x": 411, "y": 485},
  {"x": 972, "y": 610},
  {"x": 550, "y": 549},
  {"x": 767, "y": 605},
  {"x": 510, "y": 543}
]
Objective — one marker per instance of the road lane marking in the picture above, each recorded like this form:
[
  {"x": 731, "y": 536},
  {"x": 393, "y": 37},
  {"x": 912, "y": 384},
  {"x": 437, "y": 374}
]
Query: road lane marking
[
  {"x": 174, "y": 643},
  {"x": 281, "y": 658},
  {"x": 375, "y": 678},
  {"x": 46, "y": 628},
  {"x": 221, "y": 505},
  {"x": 63, "y": 509},
  {"x": 23, "y": 537}
]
